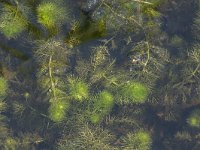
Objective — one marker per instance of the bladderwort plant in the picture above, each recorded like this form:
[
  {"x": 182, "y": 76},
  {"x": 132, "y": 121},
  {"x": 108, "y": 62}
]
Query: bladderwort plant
[
  {"x": 3, "y": 93},
  {"x": 194, "y": 118},
  {"x": 11, "y": 143},
  {"x": 3, "y": 87},
  {"x": 102, "y": 106},
  {"x": 87, "y": 138},
  {"x": 12, "y": 20},
  {"x": 57, "y": 110},
  {"x": 84, "y": 32},
  {"x": 78, "y": 89},
  {"x": 140, "y": 140},
  {"x": 133, "y": 92},
  {"x": 52, "y": 65},
  {"x": 5, "y": 133},
  {"x": 66, "y": 98},
  {"x": 52, "y": 14}
]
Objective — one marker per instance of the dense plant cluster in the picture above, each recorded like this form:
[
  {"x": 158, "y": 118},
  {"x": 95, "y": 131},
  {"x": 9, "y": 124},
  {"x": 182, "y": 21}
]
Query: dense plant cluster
[{"x": 98, "y": 75}]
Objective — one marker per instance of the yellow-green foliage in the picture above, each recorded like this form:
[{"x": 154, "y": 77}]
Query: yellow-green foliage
[
  {"x": 194, "y": 118},
  {"x": 95, "y": 118},
  {"x": 3, "y": 106},
  {"x": 51, "y": 14},
  {"x": 12, "y": 23},
  {"x": 3, "y": 87},
  {"x": 150, "y": 10},
  {"x": 105, "y": 101},
  {"x": 140, "y": 140},
  {"x": 11, "y": 144},
  {"x": 102, "y": 106},
  {"x": 78, "y": 89},
  {"x": 134, "y": 92},
  {"x": 57, "y": 110}
]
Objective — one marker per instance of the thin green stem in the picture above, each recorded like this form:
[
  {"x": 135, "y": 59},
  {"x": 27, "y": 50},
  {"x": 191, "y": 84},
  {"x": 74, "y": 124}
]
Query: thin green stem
[{"x": 51, "y": 78}]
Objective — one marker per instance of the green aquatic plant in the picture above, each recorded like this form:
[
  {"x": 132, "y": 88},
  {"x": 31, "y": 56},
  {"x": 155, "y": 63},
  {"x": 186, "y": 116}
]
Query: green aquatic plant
[
  {"x": 88, "y": 138},
  {"x": 147, "y": 61},
  {"x": 120, "y": 68},
  {"x": 86, "y": 31},
  {"x": 95, "y": 118},
  {"x": 11, "y": 144},
  {"x": 3, "y": 106},
  {"x": 18, "y": 108},
  {"x": 102, "y": 106},
  {"x": 57, "y": 110},
  {"x": 105, "y": 101},
  {"x": 12, "y": 22},
  {"x": 3, "y": 87},
  {"x": 194, "y": 118},
  {"x": 150, "y": 10},
  {"x": 51, "y": 14},
  {"x": 51, "y": 55},
  {"x": 78, "y": 89},
  {"x": 134, "y": 92},
  {"x": 141, "y": 140},
  {"x": 99, "y": 56}
]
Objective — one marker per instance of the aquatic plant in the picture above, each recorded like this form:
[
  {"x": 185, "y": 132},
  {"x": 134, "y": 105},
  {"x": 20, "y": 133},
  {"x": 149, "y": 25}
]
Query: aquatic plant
[
  {"x": 11, "y": 143},
  {"x": 194, "y": 59},
  {"x": 140, "y": 140},
  {"x": 51, "y": 56},
  {"x": 150, "y": 11},
  {"x": 194, "y": 118},
  {"x": 51, "y": 14},
  {"x": 87, "y": 138},
  {"x": 176, "y": 41},
  {"x": 196, "y": 23},
  {"x": 95, "y": 118},
  {"x": 3, "y": 87},
  {"x": 17, "y": 108},
  {"x": 78, "y": 89},
  {"x": 3, "y": 106},
  {"x": 134, "y": 92},
  {"x": 99, "y": 56},
  {"x": 183, "y": 136},
  {"x": 120, "y": 68},
  {"x": 83, "y": 31},
  {"x": 57, "y": 110},
  {"x": 105, "y": 101},
  {"x": 3, "y": 118},
  {"x": 102, "y": 106},
  {"x": 12, "y": 22}
]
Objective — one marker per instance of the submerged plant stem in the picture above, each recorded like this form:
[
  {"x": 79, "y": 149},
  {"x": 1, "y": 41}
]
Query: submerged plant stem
[{"x": 51, "y": 78}]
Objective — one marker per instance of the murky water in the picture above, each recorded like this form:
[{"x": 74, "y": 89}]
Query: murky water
[{"x": 100, "y": 75}]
